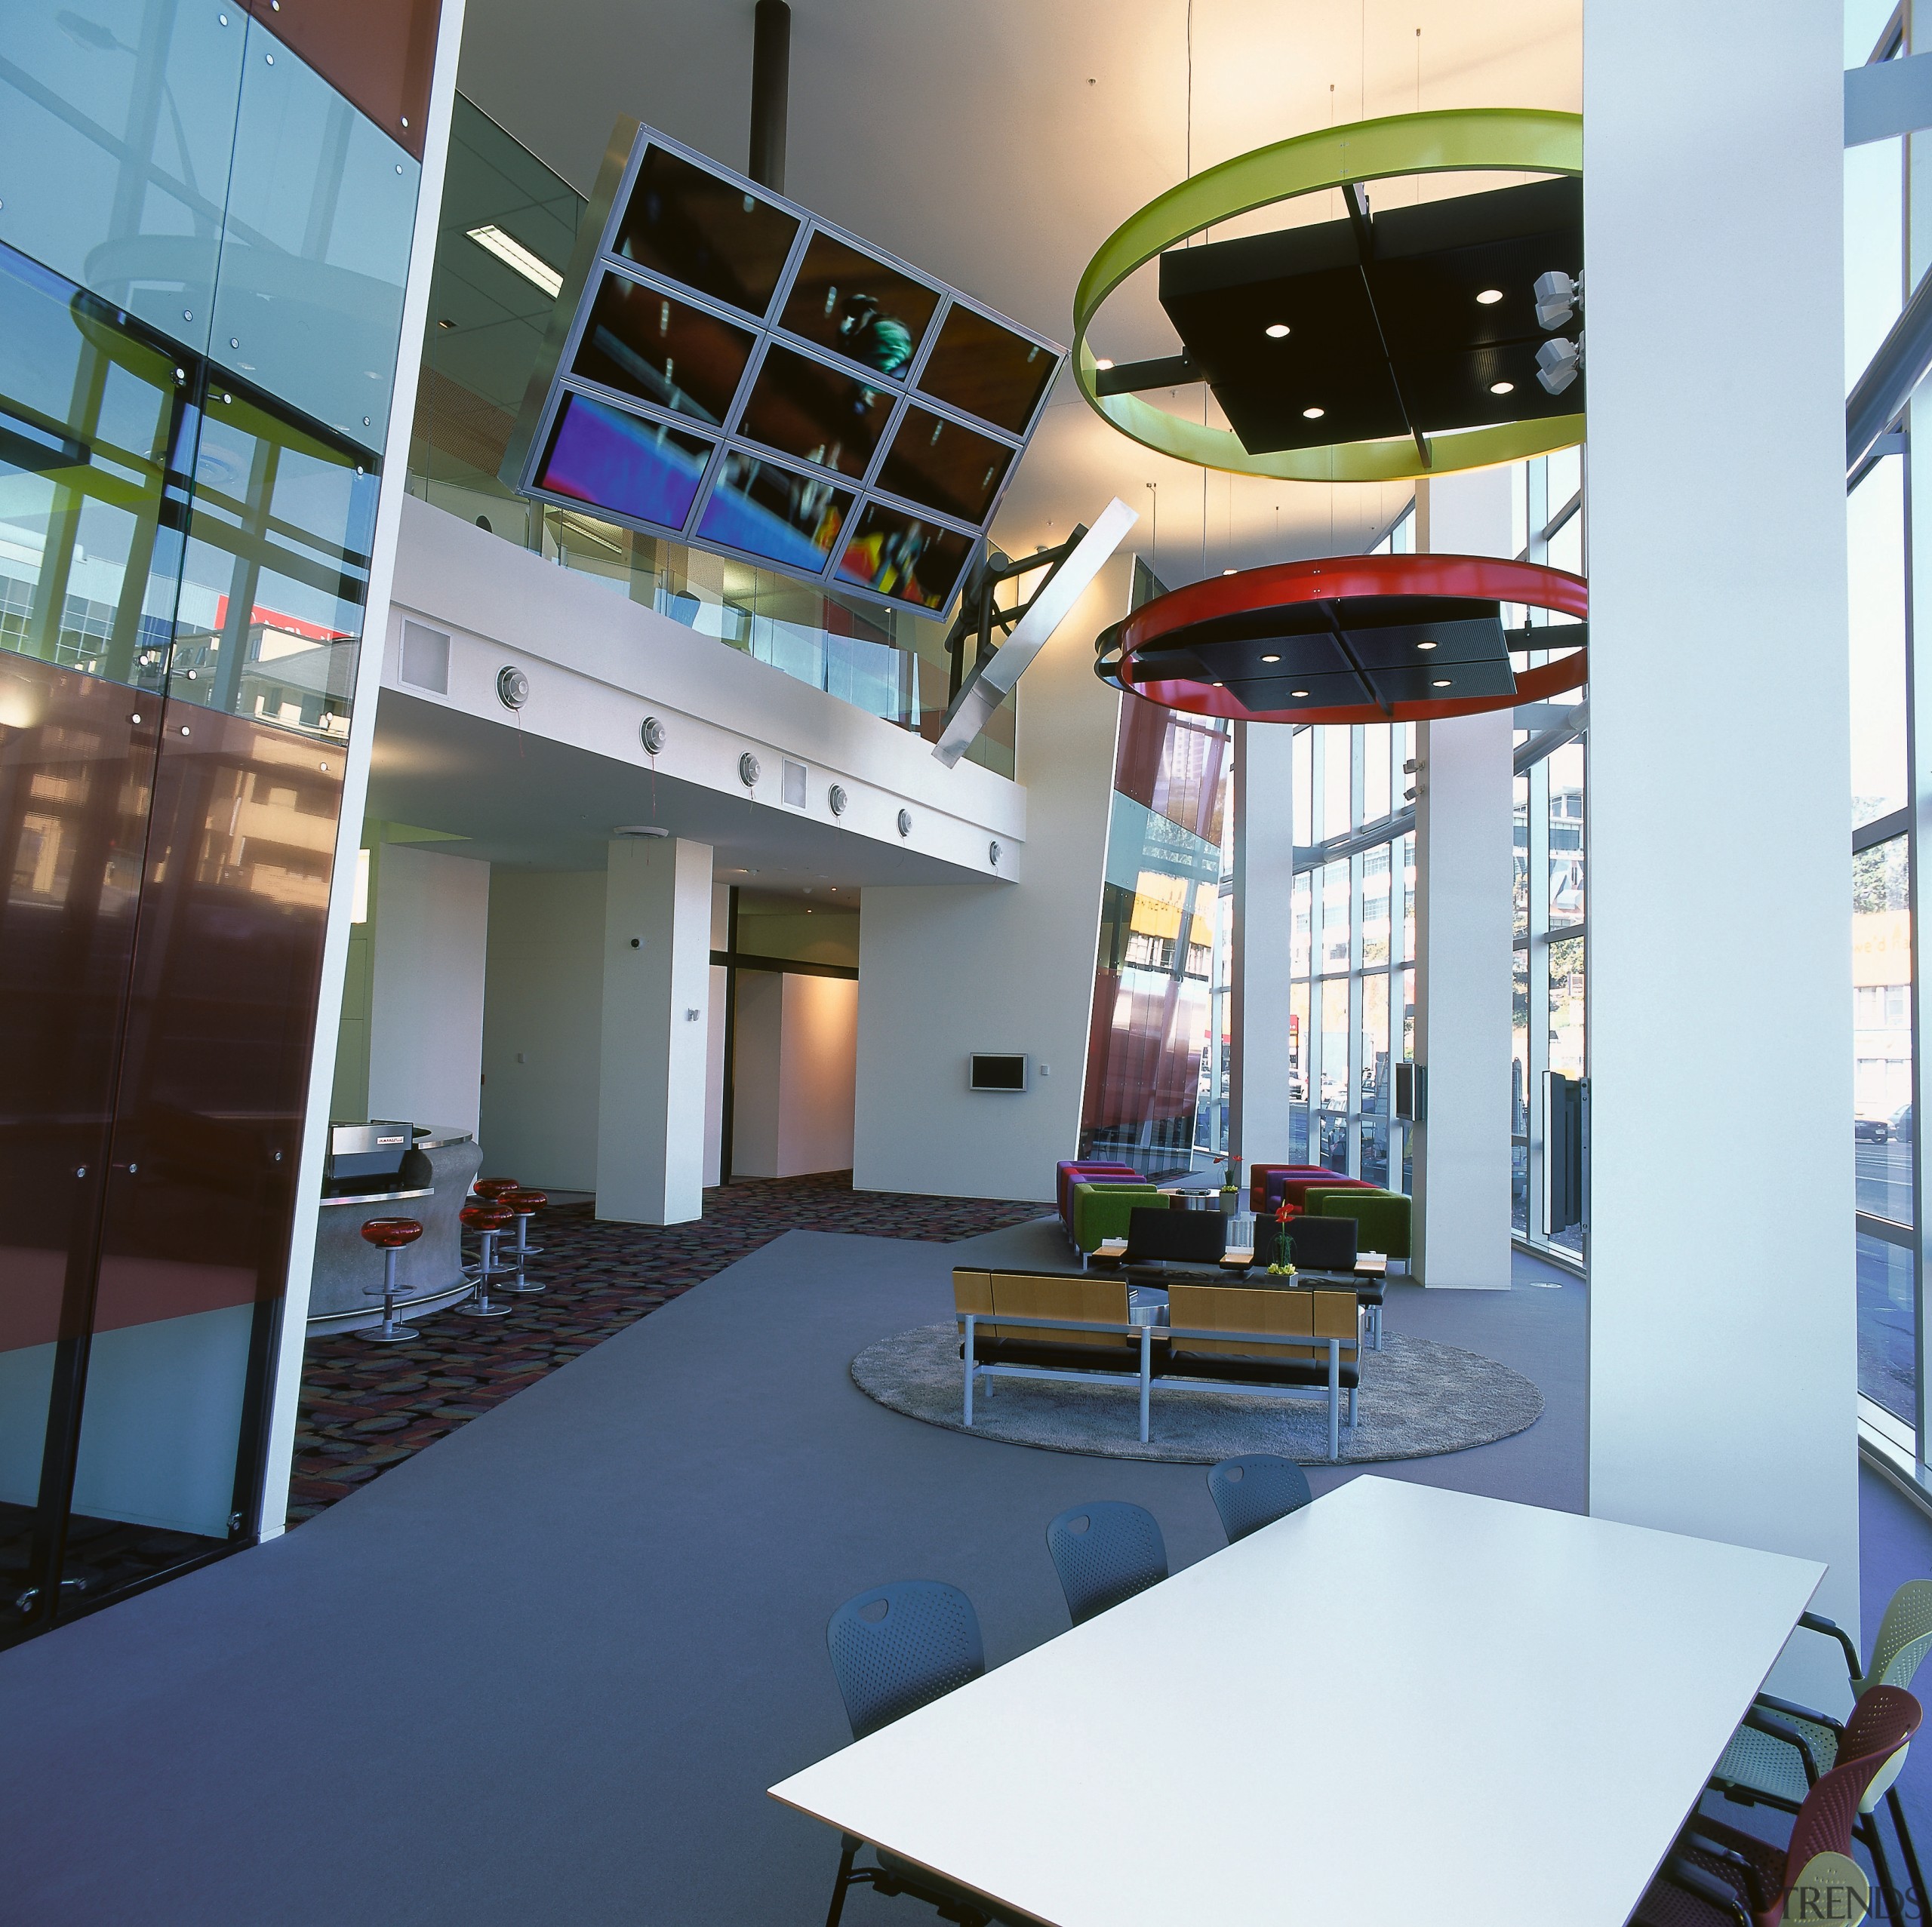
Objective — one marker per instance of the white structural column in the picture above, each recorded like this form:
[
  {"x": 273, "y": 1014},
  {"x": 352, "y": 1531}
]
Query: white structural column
[
  {"x": 651, "y": 1085},
  {"x": 1722, "y": 1331},
  {"x": 1464, "y": 880},
  {"x": 1261, "y": 967}
]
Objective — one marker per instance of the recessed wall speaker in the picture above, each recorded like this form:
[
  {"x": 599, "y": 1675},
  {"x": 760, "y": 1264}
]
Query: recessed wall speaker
[
  {"x": 651, "y": 735},
  {"x": 835, "y": 796},
  {"x": 750, "y": 770},
  {"x": 905, "y": 822},
  {"x": 512, "y": 687}
]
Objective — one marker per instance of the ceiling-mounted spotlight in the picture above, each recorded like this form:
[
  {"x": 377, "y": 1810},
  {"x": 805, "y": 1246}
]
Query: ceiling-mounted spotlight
[
  {"x": 1558, "y": 363},
  {"x": 1558, "y": 298}
]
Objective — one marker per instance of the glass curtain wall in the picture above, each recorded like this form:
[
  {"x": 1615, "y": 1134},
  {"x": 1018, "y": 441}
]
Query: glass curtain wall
[
  {"x": 1886, "y": 527},
  {"x": 508, "y": 227},
  {"x": 1352, "y": 1013},
  {"x": 1156, "y": 1091},
  {"x": 1547, "y": 974},
  {"x": 201, "y": 287}
]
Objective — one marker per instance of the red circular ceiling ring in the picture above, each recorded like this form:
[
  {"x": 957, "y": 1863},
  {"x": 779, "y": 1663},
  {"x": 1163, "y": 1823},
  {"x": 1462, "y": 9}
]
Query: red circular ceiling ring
[{"x": 1166, "y": 620}]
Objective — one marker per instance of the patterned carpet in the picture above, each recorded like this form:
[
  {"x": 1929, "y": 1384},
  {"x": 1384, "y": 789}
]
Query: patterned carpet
[{"x": 366, "y": 1408}]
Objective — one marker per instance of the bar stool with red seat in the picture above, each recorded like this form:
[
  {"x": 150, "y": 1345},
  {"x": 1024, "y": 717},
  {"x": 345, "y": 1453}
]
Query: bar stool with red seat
[
  {"x": 389, "y": 1235},
  {"x": 490, "y": 1190},
  {"x": 522, "y": 1204},
  {"x": 487, "y": 1220}
]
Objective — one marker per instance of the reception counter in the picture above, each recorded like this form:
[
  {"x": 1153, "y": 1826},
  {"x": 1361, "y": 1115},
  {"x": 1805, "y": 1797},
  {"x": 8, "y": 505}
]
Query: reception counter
[{"x": 431, "y": 1187}]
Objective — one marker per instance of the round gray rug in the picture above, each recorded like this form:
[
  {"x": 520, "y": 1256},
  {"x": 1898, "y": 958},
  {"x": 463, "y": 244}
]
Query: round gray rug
[{"x": 1417, "y": 1398}]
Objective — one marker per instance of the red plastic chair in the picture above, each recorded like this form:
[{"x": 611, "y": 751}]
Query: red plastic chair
[{"x": 1717, "y": 1877}]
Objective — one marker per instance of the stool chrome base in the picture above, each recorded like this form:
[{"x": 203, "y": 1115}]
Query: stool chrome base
[
  {"x": 480, "y": 1311},
  {"x": 388, "y": 1335},
  {"x": 522, "y": 1285}
]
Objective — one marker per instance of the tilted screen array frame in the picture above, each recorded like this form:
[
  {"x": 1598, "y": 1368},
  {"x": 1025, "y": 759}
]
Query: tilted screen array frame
[{"x": 595, "y": 259}]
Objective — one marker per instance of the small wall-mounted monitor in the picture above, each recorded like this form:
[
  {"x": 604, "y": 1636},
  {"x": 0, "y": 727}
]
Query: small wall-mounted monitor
[
  {"x": 1412, "y": 1093},
  {"x": 991, "y": 1070}
]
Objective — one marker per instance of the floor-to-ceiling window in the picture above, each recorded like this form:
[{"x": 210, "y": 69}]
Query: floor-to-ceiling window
[{"x": 1882, "y": 265}]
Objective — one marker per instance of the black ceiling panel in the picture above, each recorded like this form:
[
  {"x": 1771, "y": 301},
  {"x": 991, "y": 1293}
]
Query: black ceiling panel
[{"x": 1392, "y": 343}]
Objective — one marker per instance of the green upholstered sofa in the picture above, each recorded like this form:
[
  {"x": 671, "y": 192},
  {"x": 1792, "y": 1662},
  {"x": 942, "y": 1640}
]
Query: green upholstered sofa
[
  {"x": 1101, "y": 1211},
  {"x": 1383, "y": 1217}
]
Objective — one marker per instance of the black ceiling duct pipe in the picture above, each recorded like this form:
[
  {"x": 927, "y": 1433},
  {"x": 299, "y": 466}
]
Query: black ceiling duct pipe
[{"x": 771, "y": 82}]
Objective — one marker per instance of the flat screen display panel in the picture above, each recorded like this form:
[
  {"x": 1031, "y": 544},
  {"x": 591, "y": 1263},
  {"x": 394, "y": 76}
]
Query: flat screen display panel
[
  {"x": 609, "y": 460},
  {"x": 662, "y": 350},
  {"x": 845, "y": 300},
  {"x": 820, "y": 414},
  {"x": 908, "y": 558},
  {"x": 987, "y": 368},
  {"x": 697, "y": 226},
  {"x": 729, "y": 370},
  {"x": 997, "y": 1070},
  {"x": 944, "y": 465},
  {"x": 774, "y": 513}
]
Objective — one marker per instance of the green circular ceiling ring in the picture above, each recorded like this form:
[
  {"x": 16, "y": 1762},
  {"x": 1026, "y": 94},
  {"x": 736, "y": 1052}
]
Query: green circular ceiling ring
[{"x": 1518, "y": 139}]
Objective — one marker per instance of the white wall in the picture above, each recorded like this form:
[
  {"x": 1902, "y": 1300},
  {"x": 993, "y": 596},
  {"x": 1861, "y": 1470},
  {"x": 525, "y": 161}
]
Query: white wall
[
  {"x": 795, "y": 1051},
  {"x": 1723, "y": 1372},
  {"x": 945, "y": 971},
  {"x": 819, "y": 1074},
  {"x": 542, "y": 1026},
  {"x": 599, "y": 663},
  {"x": 757, "y": 1060},
  {"x": 425, "y": 987},
  {"x": 650, "y": 1097}
]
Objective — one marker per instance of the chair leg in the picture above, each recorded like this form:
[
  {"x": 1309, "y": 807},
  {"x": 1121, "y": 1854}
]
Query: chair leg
[
  {"x": 1868, "y": 1826},
  {"x": 843, "y": 1881},
  {"x": 1910, "y": 1851}
]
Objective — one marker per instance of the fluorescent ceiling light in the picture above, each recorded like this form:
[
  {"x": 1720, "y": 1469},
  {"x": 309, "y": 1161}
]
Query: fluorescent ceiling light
[{"x": 513, "y": 254}]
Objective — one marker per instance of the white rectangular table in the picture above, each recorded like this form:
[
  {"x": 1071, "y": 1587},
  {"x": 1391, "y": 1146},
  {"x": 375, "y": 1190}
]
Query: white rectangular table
[{"x": 1398, "y": 1704}]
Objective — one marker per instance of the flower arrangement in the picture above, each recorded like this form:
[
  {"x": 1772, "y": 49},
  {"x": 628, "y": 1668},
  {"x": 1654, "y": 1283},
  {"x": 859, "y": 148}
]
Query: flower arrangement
[{"x": 1281, "y": 1268}]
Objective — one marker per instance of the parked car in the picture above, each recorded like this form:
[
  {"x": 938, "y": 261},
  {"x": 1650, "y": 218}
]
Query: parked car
[
  {"x": 1871, "y": 1130},
  {"x": 1901, "y": 1123}
]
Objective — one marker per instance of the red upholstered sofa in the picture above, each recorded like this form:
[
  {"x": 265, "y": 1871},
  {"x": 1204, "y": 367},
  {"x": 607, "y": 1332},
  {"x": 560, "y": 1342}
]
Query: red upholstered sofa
[{"x": 1268, "y": 1183}]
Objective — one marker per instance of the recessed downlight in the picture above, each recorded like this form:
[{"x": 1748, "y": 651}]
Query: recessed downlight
[
  {"x": 1502, "y": 388},
  {"x": 1313, "y": 414},
  {"x": 1489, "y": 297},
  {"x": 1228, "y": 572},
  {"x": 1441, "y": 682},
  {"x": 1271, "y": 658},
  {"x": 1297, "y": 692},
  {"x": 1220, "y": 685},
  {"x": 1105, "y": 361},
  {"x": 1425, "y": 645},
  {"x": 1276, "y": 330}
]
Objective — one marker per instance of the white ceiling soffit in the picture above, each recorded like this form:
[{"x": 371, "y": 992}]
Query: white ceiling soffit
[{"x": 998, "y": 142}]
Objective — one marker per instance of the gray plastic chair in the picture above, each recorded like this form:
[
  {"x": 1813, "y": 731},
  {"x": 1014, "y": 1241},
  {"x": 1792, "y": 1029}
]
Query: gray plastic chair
[
  {"x": 1105, "y": 1553},
  {"x": 893, "y": 1650},
  {"x": 1767, "y": 1762},
  {"x": 1255, "y": 1490}
]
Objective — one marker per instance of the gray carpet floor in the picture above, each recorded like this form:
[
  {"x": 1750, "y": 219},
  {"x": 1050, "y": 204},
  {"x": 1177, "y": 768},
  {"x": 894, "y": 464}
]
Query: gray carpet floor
[{"x": 542, "y": 1672}]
